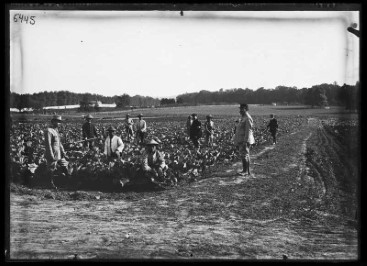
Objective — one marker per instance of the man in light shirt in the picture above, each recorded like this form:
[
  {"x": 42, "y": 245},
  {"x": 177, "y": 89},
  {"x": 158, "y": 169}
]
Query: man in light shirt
[
  {"x": 113, "y": 145},
  {"x": 140, "y": 129},
  {"x": 244, "y": 138},
  {"x": 55, "y": 153}
]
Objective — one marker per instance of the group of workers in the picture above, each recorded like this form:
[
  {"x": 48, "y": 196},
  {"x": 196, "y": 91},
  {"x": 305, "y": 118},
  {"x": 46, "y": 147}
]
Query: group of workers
[
  {"x": 194, "y": 130},
  {"x": 153, "y": 163},
  {"x": 133, "y": 130}
]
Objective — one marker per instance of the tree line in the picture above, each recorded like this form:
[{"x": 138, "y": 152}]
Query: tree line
[
  {"x": 316, "y": 96},
  {"x": 40, "y": 100}
]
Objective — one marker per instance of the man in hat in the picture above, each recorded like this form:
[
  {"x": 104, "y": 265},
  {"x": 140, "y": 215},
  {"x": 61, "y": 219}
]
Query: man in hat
[
  {"x": 55, "y": 153},
  {"x": 89, "y": 131},
  {"x": 113, "y": 145},
  {"x": 195, "y": 131},
  {"x": 209, "y": 130},
  {"x": 244, "y": 138},
  {"x": 153, "y": 163},
  {"x": 273, "y": 128},
  {"x": 129, "y": 123},
  {"x": 140, "y": 129}
]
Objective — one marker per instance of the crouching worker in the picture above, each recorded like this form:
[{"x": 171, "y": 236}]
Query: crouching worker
[
  {"x": 113, "y": 145},
  {"x": 153, "y": 164},
  {"x": 55, "y": 153}
]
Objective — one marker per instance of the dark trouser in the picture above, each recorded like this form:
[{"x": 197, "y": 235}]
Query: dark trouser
[
  {"x": 129, "y": 132},
  {"x": 115, "y": 156},
  {"x": 274, "y": 135},
  {"x": 161, "y": 173},
  {"x": 195, "y": 141},
  {"x": 59, "y": 169},
  {"x": 141, "y": 136}
]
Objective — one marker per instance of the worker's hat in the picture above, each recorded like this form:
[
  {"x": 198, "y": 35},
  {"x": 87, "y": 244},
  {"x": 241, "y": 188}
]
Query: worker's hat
[
  {"x": 56, "y": 118},
  {"x": 89, "y": 116},
  {"x": 111, "y": 128},
  {"x": 151, "y": 142}
]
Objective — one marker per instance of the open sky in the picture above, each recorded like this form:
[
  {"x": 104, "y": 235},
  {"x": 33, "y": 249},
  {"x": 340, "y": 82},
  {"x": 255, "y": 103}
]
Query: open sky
[{"x": 163, "y": 54}]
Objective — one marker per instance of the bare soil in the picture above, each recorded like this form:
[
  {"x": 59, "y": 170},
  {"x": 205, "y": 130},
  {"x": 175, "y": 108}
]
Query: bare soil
[{"x": 300, "y": 203}]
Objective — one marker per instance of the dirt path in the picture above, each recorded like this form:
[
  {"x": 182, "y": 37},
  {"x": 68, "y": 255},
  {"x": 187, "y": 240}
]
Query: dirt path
[{"x": 279, "y": 211}]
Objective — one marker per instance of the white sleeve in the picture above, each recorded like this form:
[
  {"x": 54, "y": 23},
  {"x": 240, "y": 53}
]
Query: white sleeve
[
  {"x": 144, "y": 127},
  {"x": 105, "y": 147},
  {"x": 120, "y": 145}
]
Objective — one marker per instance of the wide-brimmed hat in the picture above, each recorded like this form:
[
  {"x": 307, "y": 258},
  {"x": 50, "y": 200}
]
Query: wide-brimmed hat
[
  {"x": 151, "y": 142},
  {"x": 56, "y": 118},
  {"x": 209, "y": 116},
  {"x": 140, "y": 115},
  {"x": 111, "y": 128},
  {"x": 194, "y": 114},
  {"x": 89, "y": 116}
]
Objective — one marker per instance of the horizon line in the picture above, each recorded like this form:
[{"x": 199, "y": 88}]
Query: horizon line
[{"x": 175, "y": 96}]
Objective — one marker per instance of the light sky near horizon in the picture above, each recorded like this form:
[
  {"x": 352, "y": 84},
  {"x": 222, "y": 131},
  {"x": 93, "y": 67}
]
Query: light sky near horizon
[{"x": 163, "y": 54}]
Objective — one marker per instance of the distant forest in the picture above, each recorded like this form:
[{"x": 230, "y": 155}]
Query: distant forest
[{"x": 316, "y": 96}]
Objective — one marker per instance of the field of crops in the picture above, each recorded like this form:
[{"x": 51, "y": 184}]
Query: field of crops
[
  {"x": 301, "y": 202},
  {"x": 90, "y": 170}
]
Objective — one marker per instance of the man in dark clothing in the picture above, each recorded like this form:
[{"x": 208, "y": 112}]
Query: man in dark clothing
[
  {"x": 89, "y": 132},
  {"x": 195, "y": 131},
  {"x": 273, "y": 128}
]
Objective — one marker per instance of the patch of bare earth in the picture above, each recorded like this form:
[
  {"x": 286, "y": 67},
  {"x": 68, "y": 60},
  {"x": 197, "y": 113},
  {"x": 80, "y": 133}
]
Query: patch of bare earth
[{"x": 295, "y": 205}]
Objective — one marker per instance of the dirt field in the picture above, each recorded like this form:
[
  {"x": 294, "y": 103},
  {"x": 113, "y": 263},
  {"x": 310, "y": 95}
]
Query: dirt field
[{"x": 300, "y": 203}]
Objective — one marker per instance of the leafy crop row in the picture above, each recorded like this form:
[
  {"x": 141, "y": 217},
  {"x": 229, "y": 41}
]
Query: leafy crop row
[{"x": 90, "y": 168}]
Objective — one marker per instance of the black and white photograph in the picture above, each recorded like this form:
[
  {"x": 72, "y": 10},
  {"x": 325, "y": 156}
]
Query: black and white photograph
[{"x": 183, "y": 132}]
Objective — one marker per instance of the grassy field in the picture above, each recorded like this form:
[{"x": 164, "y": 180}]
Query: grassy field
[{"x": 218, "y": 111}]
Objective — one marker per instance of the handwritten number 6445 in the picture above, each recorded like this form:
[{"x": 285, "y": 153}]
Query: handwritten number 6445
[{"x": 26, "y": 19}]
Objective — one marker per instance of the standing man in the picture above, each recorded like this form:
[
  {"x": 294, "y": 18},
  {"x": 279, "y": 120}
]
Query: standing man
[
  {"x": 140, "y": 129},
  {"x": 244, "y": 138},
  {"x": 195, "y": 131},
  {"x": 129, "y": 123},
  {"x": 273, "y": 128},
  {"x": 89, "y": 132},
  {"x": 209, "y": 130},
  {"x": 113, "y": 145},
  {"x": 55, "y": 153}
]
